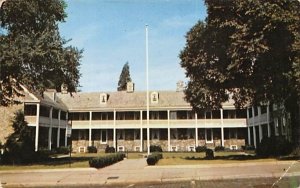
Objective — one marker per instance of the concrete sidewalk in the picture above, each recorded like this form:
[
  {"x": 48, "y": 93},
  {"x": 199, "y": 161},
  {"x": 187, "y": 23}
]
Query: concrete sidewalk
[{"x": 130, "y": 171}]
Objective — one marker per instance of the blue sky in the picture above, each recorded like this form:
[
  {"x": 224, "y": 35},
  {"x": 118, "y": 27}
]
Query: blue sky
[{"x": 112, "y": 32}]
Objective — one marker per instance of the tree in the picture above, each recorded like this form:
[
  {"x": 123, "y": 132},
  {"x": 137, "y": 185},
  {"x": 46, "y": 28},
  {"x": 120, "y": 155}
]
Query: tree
[
  {"x": 19, "y": 146},
  {"x": 32, "y": 51},
  {"x": 247, "y": 50},
  {"x": 124, "y": 77}
]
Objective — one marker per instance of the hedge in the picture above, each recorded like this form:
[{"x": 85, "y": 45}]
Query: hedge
[
  {"x": 274, "y": 146},
  {"x": 154, "y": 158},
  {"x": 219, "y": 148},
  {"x": 200, "y": 149},
  {"x": 155, "y": 148},
  {"x": 92, "y": 149},
  {"x": 209, "y": 154},
  {"x": 110, "y": 149},
  {"x": 100, "y": 162}
]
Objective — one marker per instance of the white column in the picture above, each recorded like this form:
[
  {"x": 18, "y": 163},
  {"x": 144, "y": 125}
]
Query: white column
[
  {"x": 268, "y": 121},
  {"x": 90, "y": 129},
  {"x": 58, "y": 130},
  {"x": 169, "y": 132},
  {"x": 260, "y": 133},
  {"x": 248, "y": 124},
  {"x": 67, "y": 125},
  {"x": 141, "y": 131},
  {"x": 196, "y": 129},
  {"x": 50, "y": 130},
  {"x": 222, "y": 127},
  {"x": 37, "y": 126},
  {"x": 254, "y": 136},
  {"x": 114, "y": 131}
]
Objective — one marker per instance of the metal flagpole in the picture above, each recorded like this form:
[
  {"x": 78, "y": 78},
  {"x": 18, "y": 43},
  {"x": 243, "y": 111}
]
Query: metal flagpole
[{"x": 147, "y": 85}]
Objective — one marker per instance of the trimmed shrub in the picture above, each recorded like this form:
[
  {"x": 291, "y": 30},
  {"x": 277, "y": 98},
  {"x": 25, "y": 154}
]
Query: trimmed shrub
[
  {"x": 154, "y": 158},
  {"x": 155, "y": 148},
  {"x": 209, "y": 154},
  {"x": 200, "y": 149},
  {"x": 274, "y": 146},
  {"x": 248, "y": 147},
  {"x": 110, "y": 149},
  {"x": 219, "y": 148},
  {"x": 92, "y": 149},
  {"x": 100, "y": 162},
  {"x": 62, "y": 150}
]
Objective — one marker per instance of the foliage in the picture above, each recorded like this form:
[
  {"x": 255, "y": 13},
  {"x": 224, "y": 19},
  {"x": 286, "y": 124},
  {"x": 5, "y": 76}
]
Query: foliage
[
  {"x": 247, "y": 49},
  {"x": 248, "y": 147},
  {"x": 155, "y": 148},
  {"x": 154, "y": 158},
  {"x": 62, "y": 150},
  {"x": 209, "y": 154},
  {"x": 32, "y": 52},
  {"x": 124, "y": 78},
  {"x": 219, "y": 148},
  {"x": 109, "y": 149},
  {"x": 274, "y": 146},
  {"x": 92, "y": 149},
  {"x": 100, "y": 162},
  {"x": 19, "y": 146},
  {"x": 200, "y": 148}
]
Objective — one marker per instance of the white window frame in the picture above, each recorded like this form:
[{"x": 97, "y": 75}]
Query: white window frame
[
  {"x": 191, "y": 148},
  {"x": 175, "y": 147},
  {"x": 121, "y": 148},
  {"x": 101, "y": 133},
  {"x": 212, "y": 136},
  {"x": 137, "y": 148}
]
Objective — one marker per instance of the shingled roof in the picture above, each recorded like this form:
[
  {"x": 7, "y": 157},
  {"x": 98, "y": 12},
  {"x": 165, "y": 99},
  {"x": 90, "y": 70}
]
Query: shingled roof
[{"x": 122, "y": 99}]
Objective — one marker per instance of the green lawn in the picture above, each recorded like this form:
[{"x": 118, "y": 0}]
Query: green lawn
[{"x": 169, "y": 158}]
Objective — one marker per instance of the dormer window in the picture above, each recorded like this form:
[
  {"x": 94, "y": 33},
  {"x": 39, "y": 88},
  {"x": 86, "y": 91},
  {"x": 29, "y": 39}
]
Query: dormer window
[
  {"x": 103, "y": 98},
  {"x": 154, "y": 97}
]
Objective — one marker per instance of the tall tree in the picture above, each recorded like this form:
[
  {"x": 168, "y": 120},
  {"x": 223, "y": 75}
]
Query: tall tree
[
  {"x": 248, "y": 49},
  {"x": 124, "y": 77},
  {"x": 32, "y": 52}
]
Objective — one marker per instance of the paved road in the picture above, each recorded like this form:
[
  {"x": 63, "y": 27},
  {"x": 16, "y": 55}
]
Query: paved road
[{"x": 136, "y": 173}]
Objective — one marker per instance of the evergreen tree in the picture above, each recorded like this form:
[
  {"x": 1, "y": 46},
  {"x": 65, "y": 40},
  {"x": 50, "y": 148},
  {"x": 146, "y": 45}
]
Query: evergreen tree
[
  {"x": 19, "y": 146},
  {"x": 32, "y": 51},
  {"x": 124, "y": 78}
]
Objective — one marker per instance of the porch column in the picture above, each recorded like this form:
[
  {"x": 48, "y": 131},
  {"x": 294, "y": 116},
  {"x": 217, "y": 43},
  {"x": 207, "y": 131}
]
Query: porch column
[
  {"x": 169, "y": 137},
  {"x": 196, "y": 129},
  {"x": 141, "y": 131},
  {"x": 114, "y": 131},
  {"x": 260, "y": 134},
  {"x": 222, "y": 127},
  {"x": 50, "y": 129},
  {"x": 58, "y": 130},
  {"x": 268, "y": 121},
  {"x": 90, "y": 130},
  {"x": 254, "y": 136},
  {"x": 66, "y": 132},
  {"x": 37, "y": 125},
  {"x": 248, "y": 124}
]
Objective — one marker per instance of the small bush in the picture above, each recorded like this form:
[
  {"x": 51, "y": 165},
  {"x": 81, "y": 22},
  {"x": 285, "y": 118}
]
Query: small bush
[
  {"x": 248, "y": 147},
  {"x": 62, "y": 150},
  {"x": 219, "y": 148},
  {"x": 92, "y": 149},
  {"x": 100, "y": 162},
  {"x": 274, "y": 146},
  {"x": 110, "y": 149},
  {"x": 200, "y": 149},
  {"x": 154, "y": 158},
  {"x": 155, "y": 148},
  {"x": 209, "y": 154}
]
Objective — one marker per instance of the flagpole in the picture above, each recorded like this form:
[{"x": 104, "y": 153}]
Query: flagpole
[{"x": 147, "y": 90}]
